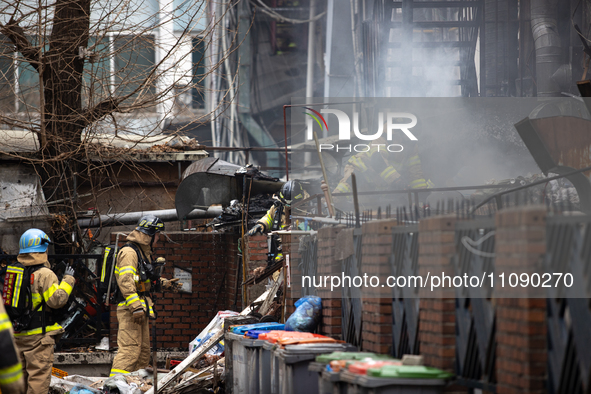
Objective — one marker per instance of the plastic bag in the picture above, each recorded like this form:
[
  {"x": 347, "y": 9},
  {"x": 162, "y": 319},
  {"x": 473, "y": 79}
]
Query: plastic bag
[
  {"x": 214, "y": 326},
  {"x": 306, "y": 316},
  {"x": 82, "y": 389}
]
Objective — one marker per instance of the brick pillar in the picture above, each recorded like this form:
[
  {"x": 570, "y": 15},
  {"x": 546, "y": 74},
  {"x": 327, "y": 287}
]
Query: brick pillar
[
  {"x": 290, "y": 246},
  {"x": 520, "y": 245},
  {"x": 328, "y": 265},
  {"x": 437, "y": 314},
  {"x": 377, "y": 309},
  {"x": 234, "y": 289},
  {"x": 255, "y": 250}
]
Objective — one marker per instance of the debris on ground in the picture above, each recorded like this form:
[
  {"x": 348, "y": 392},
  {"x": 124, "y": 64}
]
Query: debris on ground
[
  {"x": 215, "y": 326},
  {"x": 69, "y": 383},
  {"x": 191, "y": 382}
]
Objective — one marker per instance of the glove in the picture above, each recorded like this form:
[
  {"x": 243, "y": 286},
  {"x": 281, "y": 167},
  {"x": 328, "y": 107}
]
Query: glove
[
  {"x": 171, "y": 284},
  {"x": 258, "y": 228},
  {"x": 138, "y": 316},
  {"x": 69, "y": 271}
]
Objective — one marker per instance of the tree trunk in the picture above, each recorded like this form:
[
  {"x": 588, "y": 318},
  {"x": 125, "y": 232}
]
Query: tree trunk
[{"x": 62, "y": 82}]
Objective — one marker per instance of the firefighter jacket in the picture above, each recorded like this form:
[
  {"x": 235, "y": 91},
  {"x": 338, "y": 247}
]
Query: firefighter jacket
[
  {"x": 267, "y": 220},
  {"x": 134, "y": 291},
  {"x": 46, "y": 289},
  {"x": 385, "y": 170},
  {"x": 11, "y": 373}
]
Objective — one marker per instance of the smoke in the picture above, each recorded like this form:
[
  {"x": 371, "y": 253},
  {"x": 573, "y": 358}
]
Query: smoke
[{"x": 462, "y": 141}]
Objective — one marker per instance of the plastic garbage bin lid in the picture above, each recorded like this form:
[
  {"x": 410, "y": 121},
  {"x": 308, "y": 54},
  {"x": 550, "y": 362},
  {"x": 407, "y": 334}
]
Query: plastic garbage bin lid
[
  {"x": 301, "y": 341},
  {"x": 317, "y": 348},
  {"x": 254, "y": 334},
  {"x": 408, "y": 371},
  {"x": 327, "y": 358},
  {"x": 274, "y": 336},
  {"x": 241, "y": 330},
  {"x": 362, "y": 367}
]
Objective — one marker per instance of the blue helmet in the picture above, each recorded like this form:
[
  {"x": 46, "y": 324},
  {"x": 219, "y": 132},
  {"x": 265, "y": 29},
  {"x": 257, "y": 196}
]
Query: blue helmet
[{"x": 33, "y": 241}]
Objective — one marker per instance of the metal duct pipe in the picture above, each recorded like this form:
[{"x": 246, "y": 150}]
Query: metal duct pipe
[
  {"x": 547, "y": 43},
  {"x": 166, "y": 215}
]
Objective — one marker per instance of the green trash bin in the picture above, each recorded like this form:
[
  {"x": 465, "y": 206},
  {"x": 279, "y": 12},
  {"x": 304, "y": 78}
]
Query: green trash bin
[{"x": 397, "y": 379}]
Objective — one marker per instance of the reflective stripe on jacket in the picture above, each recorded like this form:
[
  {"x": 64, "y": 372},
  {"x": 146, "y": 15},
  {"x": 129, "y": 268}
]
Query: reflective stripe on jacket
[
  {"x": 269, "y": 217},
  {"x": 127, "y": 276},
  {"x": 46, "y": 288},
  {"x": 10, "y": 366}
]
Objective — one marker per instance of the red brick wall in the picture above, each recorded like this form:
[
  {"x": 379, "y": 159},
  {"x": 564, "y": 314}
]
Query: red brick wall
[
  {"x": 437, "y": 315},
  {"x": 255, "y": 256},
  {"x": 521, "y": 323},
  {"x": 181, "y": 316},
  {"x": 328, "y": 265},
  {"x": 376, "y": 246},
  {"x": 290, "y": 245}
]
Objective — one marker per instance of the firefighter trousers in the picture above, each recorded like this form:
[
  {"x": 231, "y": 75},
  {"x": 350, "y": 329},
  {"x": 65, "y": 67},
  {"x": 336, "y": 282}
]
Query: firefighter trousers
[
  {"x": 133, "y": 341},
  {"x": 36, "y": 354}
]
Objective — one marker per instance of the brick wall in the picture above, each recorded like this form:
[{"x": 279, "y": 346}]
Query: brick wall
[
  {"x": 212, "y": 260},
  {"x": 437, "y": 315},
  {"x": 377, "y": 310},
  {"x": 521, "y": 323},
  {"x": 328, "y": 265},
  {"x": 290, "y": 245},
  {"x": 256, "y": 250}
]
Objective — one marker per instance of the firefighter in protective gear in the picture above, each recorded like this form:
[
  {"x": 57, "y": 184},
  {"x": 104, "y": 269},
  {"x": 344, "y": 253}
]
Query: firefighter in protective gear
[
  {"x": 289, "y": 193},
  {"x": 278, "y": 218},
  {"x": 133, "y": 336},
  {"x": 36, "y": 344},
  {"x": 11, "y": 370},
  {"x": 384, "y": 170}
]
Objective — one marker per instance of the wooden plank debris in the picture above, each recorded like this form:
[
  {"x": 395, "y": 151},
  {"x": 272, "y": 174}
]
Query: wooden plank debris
[
  {"x": 182, "y": 367},
  {"x": 186, "y": 364}
]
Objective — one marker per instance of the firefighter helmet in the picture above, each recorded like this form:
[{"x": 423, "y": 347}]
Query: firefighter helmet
[
  {"x": 150, "y": 225},
  {"x": 34, "y": 241},
  {"x": 291, "y": 191}
]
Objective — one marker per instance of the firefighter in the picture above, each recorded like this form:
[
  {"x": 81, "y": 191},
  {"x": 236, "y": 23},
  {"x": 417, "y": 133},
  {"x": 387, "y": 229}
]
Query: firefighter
[
  {"x": 11, "y": 370},
  {"x": 278, "y": 216},
  {"x": 36, "y": 338},
  {"x": 136, "y": 272},
  {"x": 383, "y": 170}
]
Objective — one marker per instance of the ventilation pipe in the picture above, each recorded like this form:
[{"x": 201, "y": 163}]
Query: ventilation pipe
[
  {"x": 131, "y": 218},
  {"x": 547, "y": 44}
]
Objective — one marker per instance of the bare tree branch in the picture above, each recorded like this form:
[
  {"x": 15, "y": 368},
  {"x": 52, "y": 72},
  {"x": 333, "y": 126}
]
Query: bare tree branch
[{"x": 16, "y": 34}]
